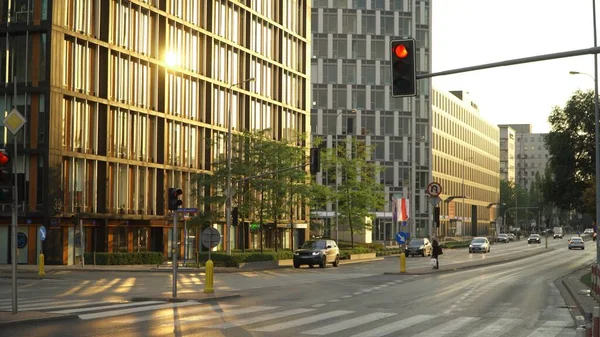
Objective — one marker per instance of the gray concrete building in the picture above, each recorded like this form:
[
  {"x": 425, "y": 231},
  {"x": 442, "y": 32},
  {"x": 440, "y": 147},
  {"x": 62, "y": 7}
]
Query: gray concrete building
[{"x": 350, "y": 76}]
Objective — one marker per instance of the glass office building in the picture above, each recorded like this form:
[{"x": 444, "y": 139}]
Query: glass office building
[
  {"x": 125, "y": 98},
  {"x": 351, "y": 97}
]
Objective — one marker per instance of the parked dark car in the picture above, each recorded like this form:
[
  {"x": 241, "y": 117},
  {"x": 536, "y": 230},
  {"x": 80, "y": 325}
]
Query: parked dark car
[
  {"x": 534, "y": 238},
  {"x": 319, "y": 252},
  {"x": 419, "y": 246}
]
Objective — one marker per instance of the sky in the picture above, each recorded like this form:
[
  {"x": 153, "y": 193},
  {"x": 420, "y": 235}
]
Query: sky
[{"x": 473, "y": 32}]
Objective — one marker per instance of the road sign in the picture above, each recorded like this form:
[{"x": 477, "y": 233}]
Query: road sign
[
  {"x": 187, "y": 210},
  {"x": 401, "y": 237},
  {"x": 434, "y": 189},
  {"x": 434, "y": 201},
  {"x": 21, "y": 240},
  {"x": 42, "y": 233},
  {"x": 210, "y": 237},
  {"x": 14, "y": 121}
]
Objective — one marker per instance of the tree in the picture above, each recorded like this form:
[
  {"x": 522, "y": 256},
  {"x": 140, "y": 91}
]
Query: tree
[
  {"x": 571, "y": 144},
  {"x": 360, "y": 191}
]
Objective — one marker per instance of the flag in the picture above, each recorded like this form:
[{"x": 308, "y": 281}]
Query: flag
[{"x": 403, "y": 209}]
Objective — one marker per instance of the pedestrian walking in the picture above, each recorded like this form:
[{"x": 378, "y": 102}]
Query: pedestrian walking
[{"x": 436, "y": 252}]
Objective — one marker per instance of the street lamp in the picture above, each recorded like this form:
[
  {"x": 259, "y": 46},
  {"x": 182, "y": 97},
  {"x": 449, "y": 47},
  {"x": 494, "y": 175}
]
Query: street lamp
[
  {"x": 337, "y": 229},
  {"x": 228, "y": 190},
  {"x": 596, "y": 133}
]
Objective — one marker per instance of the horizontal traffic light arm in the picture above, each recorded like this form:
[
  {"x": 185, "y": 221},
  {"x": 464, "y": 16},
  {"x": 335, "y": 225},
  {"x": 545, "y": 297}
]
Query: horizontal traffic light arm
[{"x": 572, "y": 53}]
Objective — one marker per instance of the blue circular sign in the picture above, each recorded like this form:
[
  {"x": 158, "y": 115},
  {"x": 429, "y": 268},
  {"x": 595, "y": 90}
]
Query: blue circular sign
[
  {"x": 21, "y": 240},
  {"x": 42, "y": 233}
]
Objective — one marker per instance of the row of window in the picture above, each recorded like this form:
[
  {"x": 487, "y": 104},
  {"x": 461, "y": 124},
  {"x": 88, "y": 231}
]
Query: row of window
[
  {"x": 23, "y": 58},
  {"x": 363, "y": 97},
  {"x": 393, "y": 5}
]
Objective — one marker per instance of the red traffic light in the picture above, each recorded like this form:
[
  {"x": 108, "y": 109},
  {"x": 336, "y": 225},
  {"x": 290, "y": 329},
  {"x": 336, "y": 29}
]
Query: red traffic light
[
  {"x": 4, "y": 159},
  {"x": 400, "y": 51}
]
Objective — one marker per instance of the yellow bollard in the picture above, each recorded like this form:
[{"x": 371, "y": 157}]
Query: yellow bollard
[
  {"x": 41, "y": 271},
  {"x": 208, "y": 277},
  {"x": 402, "y": 263}
]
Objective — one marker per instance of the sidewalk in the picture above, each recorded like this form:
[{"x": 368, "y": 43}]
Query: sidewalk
[
  {"x": 31, "y": 271},
  {"x": 581, "y": 303}
]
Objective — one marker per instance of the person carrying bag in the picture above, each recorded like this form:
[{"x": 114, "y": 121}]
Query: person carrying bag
[{"x": 435, "y": 254}]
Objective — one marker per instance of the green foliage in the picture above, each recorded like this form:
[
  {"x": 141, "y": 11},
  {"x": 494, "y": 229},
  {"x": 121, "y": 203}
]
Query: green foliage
[
  {"x": 455, "y": 244},
  {"x": 571, "y": 144},
  {"x": 372, "y": 246},
  {"x": 221, "y": 259},
  {"x": 352, "y": 179},
  {"x": 345, "y": 253},
  {"x": 388, "y": 251},
  {"x": 125, "y": 258}
]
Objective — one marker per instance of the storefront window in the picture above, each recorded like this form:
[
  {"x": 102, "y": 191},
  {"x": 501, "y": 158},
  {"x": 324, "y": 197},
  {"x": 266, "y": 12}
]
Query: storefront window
[{"x": 119, "y": 239}]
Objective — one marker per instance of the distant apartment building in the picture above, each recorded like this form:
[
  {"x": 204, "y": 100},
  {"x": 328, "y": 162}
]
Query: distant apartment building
[
  {"x": 507, "y": 153},
  {"x": 350, "y": 76},
  {"x": 466, "y": 164},
  {"x": 531, "y": 154}
]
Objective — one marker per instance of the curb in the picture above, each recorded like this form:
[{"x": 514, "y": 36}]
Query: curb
[
  {"x": 207, "y": 298},
  {"x": 451, "y": 268},
  {"x": 573, "y": 296},
  {"x": 40, "y": 319}
]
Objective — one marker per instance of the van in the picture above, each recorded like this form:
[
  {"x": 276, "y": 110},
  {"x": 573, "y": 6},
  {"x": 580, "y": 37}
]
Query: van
[{"x": 558, "y": 233}]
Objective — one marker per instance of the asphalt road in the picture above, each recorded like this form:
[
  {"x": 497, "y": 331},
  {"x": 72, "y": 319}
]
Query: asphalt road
[{"x": 516, "y": 298}]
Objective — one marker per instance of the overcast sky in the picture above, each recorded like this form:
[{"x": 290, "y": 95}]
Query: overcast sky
[{"x": 473, "y": 32}]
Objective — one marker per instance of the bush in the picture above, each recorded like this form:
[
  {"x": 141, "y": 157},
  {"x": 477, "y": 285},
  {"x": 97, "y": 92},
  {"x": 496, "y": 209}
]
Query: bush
[
  {"x": 455, "y": 244},
  {"x": 221, "y": 259},
  {"x": 388, "y": 251},
  {"x": 371, "y": 246},
  {"x": 125, "y": 258},
  {"x": 345, "y": 253}
]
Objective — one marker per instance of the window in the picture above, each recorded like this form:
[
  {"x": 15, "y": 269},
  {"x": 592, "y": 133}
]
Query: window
[
  {"x": 330, "y": 22},
  {"x": 359, "y": 48},
  {"x": 348, "y": 23},
  {"x": 368, "y": 22}
]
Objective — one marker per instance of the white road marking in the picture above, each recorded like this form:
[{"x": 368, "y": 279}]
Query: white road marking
[
  {"x": 220, "y": 315},
  {"x": 188, "y": 311},
  {"x": 259, "y": 319},
  {"x": 114, "y": 306},
  {"x": 348, "y": 324},
  {"x": 303, "y": 321},
  {"x": 448, "y": 327},
  {"x": 498, "y": 328},
  {"x": 318, "y": 305},
  {"x": 133, "y": 310},
  {"x": 549, "y": 329},
  {"x": 395, "y": 326}
]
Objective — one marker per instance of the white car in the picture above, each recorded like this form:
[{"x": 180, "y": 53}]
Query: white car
[
  {"x": 479, "y": 244},
  {"x": 588, "y": 231},
  {"x": 576, "y": 242}
]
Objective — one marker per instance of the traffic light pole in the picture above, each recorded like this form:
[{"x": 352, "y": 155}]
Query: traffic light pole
[
  {"x": 14, "y": 230},
  {"x": 175, "y": 253}
]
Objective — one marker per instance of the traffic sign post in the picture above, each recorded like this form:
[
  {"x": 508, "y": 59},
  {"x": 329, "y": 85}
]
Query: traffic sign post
[
  {"x": 210, "y": 239},
  {"x": 434, "y": 189}
]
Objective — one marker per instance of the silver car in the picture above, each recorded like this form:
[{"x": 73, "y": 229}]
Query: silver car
[
  {"x": 479, "y": 244},
  {"x": 576, "y": 242}
]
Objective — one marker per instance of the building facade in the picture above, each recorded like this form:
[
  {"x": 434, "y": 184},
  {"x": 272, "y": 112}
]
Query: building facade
[
  {"x": 351, "y": 97},
  {"x": 466, "y": 164},
  {"x": 125, "y": 98},
  {"x": 531, "y": 155},
  {"x": 507, "y": 153}
]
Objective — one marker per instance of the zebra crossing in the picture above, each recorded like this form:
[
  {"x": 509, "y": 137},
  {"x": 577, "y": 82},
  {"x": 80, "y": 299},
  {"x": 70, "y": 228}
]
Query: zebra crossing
[{"x": 285, "y": 321}]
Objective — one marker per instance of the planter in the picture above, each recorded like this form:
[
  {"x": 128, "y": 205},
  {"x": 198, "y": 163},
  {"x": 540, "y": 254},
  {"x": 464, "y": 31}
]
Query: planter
[{"x": 356, "y": 257}]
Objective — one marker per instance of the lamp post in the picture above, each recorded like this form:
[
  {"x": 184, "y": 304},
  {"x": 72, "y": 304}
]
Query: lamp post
[
  {"x": 337, "y": 228},
  {"x": 596, "y": 132},
  {"x": 463, "y": 193},
  {"x": 228, "y": 189}
]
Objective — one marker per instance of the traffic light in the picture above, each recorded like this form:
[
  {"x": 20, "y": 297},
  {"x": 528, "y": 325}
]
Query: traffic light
[
  {"x": 174, "y": 201},
  {"x": 5, "y": 178},
  {"x": 403, "y": 64},
  {"x": 315, "y": 161},
  {"x": 234, "y": 216},
  {"x": 436, "y": 217}
]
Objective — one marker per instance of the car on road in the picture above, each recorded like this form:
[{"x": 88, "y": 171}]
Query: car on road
[
  {"x": 502, "y": 238},
  {"x": 576, "y": 242},
  {"x": 479, "y": 244},
  {"x": 511, "y": 236},
  {"x": 534, "y": 238},
  {"x": 588, "y": 231},
  {"x": 419, "y": 246},
  {"x": 558, "y": 233},
  {"x": 319, "y": 252}
]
